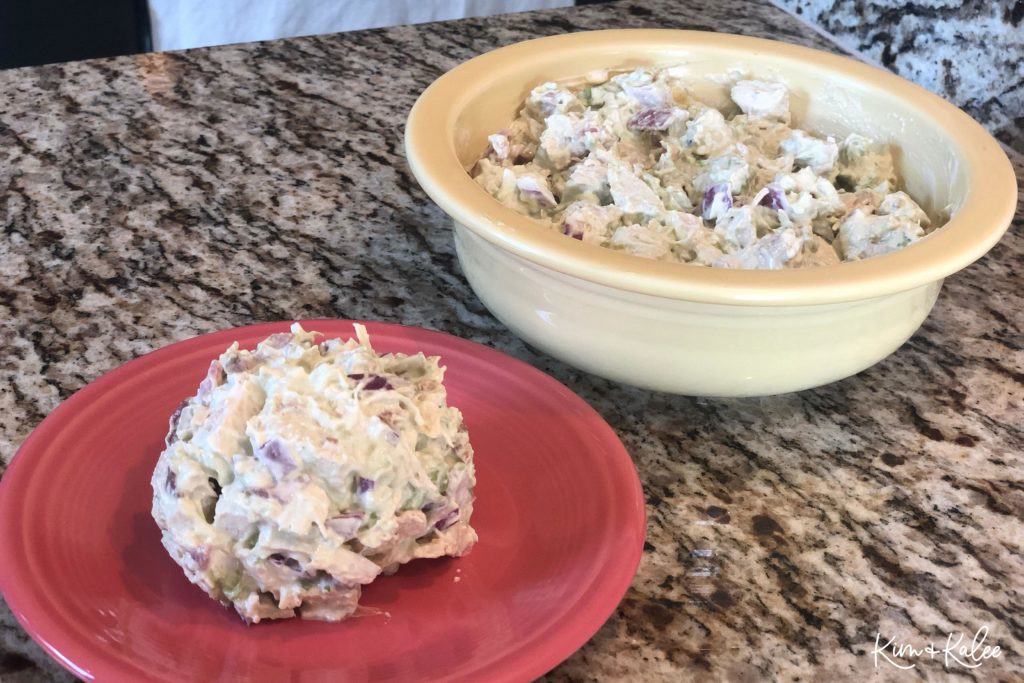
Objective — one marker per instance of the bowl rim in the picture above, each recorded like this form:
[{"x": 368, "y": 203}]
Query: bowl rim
[{"x": 982, "y": 218}]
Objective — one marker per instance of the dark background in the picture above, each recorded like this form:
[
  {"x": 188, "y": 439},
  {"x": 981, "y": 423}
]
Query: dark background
[{"x": 45, "y": 31}]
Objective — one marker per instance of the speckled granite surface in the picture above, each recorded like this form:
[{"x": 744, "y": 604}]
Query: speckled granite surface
[
  {"x": 143, "y": 201},
  {"x": 970, "y": 52}
]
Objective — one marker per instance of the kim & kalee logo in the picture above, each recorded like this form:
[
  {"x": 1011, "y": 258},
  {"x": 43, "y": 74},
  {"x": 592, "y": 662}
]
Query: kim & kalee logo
[{"x": 960, "y": 650}]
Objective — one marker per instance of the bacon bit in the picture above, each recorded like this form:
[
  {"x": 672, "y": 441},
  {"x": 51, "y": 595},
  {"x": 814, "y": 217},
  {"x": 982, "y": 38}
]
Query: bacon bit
[
  {"x": 241, "y": 363},
  {"x": 273, "y": 451},
  {"x": 214, "y": 378},
  {"x": 201, "y": 557},
  {"x": 346, "y": 524},
  {"x": 279, "y": 340},
  {"x": 548, "y": 102},
  {"x": 650, "y": 119},
  {"x": 261, "y": 493}
]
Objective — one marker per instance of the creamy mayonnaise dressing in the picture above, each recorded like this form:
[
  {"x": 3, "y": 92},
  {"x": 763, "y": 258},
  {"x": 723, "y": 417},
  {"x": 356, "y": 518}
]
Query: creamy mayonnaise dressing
[
  {"x": 638, "y": 163},
  {"x": 301, "y": 471}
]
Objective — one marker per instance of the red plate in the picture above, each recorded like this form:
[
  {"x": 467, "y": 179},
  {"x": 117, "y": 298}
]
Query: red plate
[{"x": 559, "y": 511}]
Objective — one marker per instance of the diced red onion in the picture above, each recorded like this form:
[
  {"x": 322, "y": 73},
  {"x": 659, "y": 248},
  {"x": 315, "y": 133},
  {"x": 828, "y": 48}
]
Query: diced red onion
[
  {"x": 774, "y": 198},
  {"x": 172, "y": 431},
  {"x": 650, "y": 119},
  {"x": 548, "y": 102},
  {"x": 447, "y": 519},
  {"x": 377, "y": 382},
  {"x": 647, "y": 95},
  {"x": 718, "y": 191},
  {"x": 571, "y": 231},
  {"x": 374, "y": 383},
  {"x": 274, "y": 455},
  {"x": 542, "y": 198},
  {"x": 500, "y": 145}
]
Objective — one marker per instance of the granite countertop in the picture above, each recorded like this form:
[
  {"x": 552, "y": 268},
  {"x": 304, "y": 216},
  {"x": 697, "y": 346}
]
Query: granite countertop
[
  {"x": 968, "y": 51},
  {"x": 146, "y": 200}
]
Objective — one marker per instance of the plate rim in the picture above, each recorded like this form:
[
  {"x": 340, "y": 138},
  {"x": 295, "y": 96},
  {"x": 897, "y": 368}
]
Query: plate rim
[{"x": 51, "y": 633}]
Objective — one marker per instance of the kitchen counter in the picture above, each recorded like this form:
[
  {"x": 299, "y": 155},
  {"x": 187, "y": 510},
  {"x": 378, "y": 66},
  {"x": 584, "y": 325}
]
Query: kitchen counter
[
  {"x": 146, "y": 200},
  {"x": 968, "y": 52}
]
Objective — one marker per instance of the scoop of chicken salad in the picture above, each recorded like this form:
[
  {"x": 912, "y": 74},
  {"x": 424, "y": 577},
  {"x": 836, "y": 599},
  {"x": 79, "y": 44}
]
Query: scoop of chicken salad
[
  {"x": 301, "y": 471},
  {"x": 636, "y": 162}
]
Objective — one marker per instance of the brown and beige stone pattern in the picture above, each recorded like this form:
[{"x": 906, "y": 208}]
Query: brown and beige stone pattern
[{"x": 146, "y": 200}]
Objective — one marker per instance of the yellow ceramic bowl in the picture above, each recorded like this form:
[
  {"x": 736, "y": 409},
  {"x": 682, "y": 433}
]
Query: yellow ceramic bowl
[{"x": 695, "y": 330}]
